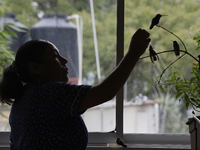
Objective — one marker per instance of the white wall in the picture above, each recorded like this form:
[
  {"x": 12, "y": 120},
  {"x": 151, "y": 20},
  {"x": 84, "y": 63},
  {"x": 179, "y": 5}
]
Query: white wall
[{"x": 141, "y": 117}]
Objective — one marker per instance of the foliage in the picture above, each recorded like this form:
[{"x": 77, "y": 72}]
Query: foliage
[
  {"x": 6, "y": 56},
  {"x": 186, "y": 89},
  {"x": 6, "y": 31}
]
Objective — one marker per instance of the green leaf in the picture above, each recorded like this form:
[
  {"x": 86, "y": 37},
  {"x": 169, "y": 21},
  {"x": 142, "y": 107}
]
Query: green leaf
[
  {"x": 170, "y": 74},
  {"x": 179, "y": 94},
  {"x": 184, "y": 78},
  {"x": 8, "y": 24},
  {"x": 163, "y": 89},
  {"x": 2, "y": 13},
  {"x": 198, "y": 48},
  {"x": 148, "y": 80},
  {"x": 4, "y": 33},
  {"x": 173, "y": 77},
  {"x": 177, "y": 73},
  {"x": 192, "y": 79},
  {"x": 16, "y": 28},
  {"x": 187, "y": 102},
  {"x": 196, "y": 38},
  {"x": 149, "y": 89},
  {"x": 12, "y": 33}
]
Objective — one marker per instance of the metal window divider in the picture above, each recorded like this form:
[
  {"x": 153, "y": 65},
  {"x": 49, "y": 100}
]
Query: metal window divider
[{"x": 119, "y": 56}]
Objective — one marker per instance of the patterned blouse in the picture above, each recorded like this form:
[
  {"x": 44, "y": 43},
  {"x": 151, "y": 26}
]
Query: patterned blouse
[{"x": 47, "y": 117}]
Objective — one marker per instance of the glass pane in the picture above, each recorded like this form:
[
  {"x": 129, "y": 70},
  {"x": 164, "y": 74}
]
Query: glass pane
[
  {"x": 68, "y": 24},
  {"x": 157, "y": 112},
  {"x": 101, "y": 118},
  {"x": 4, "y": 114}
]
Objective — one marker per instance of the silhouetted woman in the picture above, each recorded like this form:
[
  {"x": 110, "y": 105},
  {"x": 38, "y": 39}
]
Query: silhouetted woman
[{"x": 46, "y": 110}]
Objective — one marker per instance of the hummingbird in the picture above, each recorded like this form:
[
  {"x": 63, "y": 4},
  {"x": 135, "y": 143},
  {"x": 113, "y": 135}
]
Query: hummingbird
[
  {"x": 176, "y": 48},
  {"x": 121, "y": 142},
  {"x": 155, "y": 20},
  {"x": 153, "y": 54}
]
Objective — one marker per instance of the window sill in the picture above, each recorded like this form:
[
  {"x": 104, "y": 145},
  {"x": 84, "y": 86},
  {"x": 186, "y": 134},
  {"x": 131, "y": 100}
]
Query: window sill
[
  {"x": 139, "y": 147},
  {"x": 106, "y": 141},
  {"x": 136, "y": 148},
  {"x": 98, "y": 141},
  {"x": 130, "y": 147}
]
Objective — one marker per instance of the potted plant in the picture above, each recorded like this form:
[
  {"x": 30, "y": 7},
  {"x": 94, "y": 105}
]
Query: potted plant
[{"x": 187, "y": 90}]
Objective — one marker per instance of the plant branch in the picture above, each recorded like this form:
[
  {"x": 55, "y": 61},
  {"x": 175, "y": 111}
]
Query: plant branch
[
  {"x": 174, "y": 35},
  {"x": 169, "y": 66},
  {"x": 173, "y": 51},
  {"x": 195, "y": 108},
  {"x": 185, "y": 52},
  {"x": 193, "y": 104},
  {"x": 169, "y": 84}
]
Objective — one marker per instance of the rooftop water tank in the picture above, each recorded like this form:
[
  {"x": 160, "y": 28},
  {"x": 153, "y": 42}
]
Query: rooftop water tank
[{"x": 57, "y": 29}]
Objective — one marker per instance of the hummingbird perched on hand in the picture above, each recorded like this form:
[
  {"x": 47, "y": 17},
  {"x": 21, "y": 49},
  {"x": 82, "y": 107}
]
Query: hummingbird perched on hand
[
  {"x": 176, "y": 48},
  {"x": 155, "y": 20}
]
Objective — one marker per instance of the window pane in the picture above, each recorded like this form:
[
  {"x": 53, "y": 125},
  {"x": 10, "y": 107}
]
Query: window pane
[
  {"x": 4, "y": 114},
  {"x": 68, "y": 24},
  {"x": 102, "y": 118},
  {"x": 156, "y": 112}
]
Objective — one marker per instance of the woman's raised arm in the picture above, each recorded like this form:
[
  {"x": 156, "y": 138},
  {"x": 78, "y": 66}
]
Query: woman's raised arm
[{"x": 109, "y": 87}]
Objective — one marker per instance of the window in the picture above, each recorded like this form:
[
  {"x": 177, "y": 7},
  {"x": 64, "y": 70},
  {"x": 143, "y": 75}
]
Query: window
[
  {"x": 104, "y": 29},
  {"x": 164, "y": 114}
]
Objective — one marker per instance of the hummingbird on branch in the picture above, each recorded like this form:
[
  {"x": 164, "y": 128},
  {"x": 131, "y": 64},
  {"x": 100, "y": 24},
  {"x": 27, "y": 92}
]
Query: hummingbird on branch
[
  {"x": 155, "y": 20},
  {"x": 176, "y": 48},
  {"x": 153, "y": 54}
]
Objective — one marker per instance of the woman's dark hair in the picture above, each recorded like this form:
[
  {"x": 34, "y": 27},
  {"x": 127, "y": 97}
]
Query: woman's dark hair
[{"x": 14, "y": 76}]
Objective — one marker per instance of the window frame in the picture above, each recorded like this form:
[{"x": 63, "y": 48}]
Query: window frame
[
  {"x": 162, "y": 141},
  {"x": 134, "y": 141}
]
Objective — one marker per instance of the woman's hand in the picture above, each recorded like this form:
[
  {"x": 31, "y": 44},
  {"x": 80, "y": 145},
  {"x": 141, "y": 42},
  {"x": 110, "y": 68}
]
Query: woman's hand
[{"x": 139, "y": 42}]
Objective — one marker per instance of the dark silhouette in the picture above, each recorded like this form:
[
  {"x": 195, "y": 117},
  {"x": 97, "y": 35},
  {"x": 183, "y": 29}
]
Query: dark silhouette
[
  {"x": 153, "y": 54},
  {"x": 176, "y": 48},
  {"x": 155, "y": 20},
  {"x": 46, "y": 109}
]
